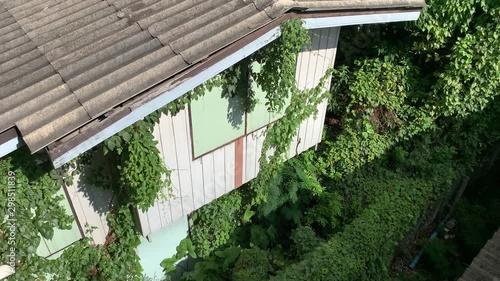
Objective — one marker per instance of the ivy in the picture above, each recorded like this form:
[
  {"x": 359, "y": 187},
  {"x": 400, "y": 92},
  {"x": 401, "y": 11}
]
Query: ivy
[
  {"x": 277, "y": 79},
  {"x": 278, "y": 60},
  {"x": 375, "y": 99},
  {"x": 214, "y": 223},
  {"x": 185, "y": 248},
  {"x": 373, "y": 235},
  {"x": 405, "y": 121},
  {"x": 463, "y": 36},
  {"x": 237, "y": 84},
  {"x": 29, "y": 210},
  {"x": 38, "y": 212},
  {"x": 115, "y": 260}
]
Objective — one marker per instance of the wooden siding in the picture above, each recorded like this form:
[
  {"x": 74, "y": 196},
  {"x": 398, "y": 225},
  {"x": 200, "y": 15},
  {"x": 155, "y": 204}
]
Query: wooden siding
[
  {"x": 197, "y": 182},
  {"x": 91, "y": 205}
]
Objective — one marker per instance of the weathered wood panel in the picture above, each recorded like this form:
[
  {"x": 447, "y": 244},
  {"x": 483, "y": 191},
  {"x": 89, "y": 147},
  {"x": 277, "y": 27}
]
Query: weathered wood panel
[
  {"x": 91, "y": 205},
  {"x": 311, "y": 67}
]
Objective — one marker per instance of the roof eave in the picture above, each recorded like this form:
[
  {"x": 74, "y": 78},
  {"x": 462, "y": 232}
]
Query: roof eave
[{"x": 151, "y": 100}]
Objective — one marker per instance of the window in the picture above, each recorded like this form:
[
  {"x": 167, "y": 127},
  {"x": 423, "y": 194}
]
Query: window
[{"x": 216, "y": 120}]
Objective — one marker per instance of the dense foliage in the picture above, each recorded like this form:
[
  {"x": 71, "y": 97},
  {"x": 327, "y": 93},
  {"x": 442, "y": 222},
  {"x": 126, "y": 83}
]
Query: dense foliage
[
  {"x": 37, "y": 211},
  {"x": 406, "y": 118}
]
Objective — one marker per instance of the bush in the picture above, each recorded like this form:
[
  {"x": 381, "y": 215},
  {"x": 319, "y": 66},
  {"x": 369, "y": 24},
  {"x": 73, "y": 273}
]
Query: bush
[
  {"x": 252, "y": 265},
  {"x": 305, "y": 240}
]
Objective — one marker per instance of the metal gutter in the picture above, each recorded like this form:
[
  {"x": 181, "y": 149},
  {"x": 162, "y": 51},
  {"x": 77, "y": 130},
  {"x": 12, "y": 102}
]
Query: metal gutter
[{"x": 157, "y": 97}]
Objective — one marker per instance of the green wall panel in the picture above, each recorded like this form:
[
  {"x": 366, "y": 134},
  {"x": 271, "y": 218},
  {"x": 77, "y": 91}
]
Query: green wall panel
[
  {"x": 161, "y": 245},
  {"x": 215, "y": 121},
  {"x": 62, "y": 238},
  {"x": 259, "y": 117}
]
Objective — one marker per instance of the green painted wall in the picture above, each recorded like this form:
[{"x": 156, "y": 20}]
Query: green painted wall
[
  {"x": 163, "y": 244},
  {"x": 215, "y": 121},
  {"x": 61, "y": 238}
]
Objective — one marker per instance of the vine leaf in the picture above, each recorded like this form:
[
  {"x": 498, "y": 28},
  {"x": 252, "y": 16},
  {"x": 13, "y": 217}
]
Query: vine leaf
[
  {"x": 230, "y": 255},
  {"x": 168, "y": 264},
  {"x": 248, "y": 215}
]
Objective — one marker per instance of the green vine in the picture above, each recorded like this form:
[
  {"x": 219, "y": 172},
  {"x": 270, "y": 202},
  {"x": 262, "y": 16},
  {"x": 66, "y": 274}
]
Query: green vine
[
  {"x": 278, "y": 60},
  {"x": 214, "y": 223},
  {"x": 237, "y": 84},
  {"x": 280, "y": 57},
  {"x": 29, "y": 210}
]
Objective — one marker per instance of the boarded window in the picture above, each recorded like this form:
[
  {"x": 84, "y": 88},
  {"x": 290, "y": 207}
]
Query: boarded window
[
  {"x": 216, "y": 121},
  {"x": 62, "y": 237},
  {"x": 260, "y": 116}
]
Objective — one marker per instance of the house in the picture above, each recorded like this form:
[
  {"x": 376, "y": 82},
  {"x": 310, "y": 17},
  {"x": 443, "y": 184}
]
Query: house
[{"x": 74, "y": 73}]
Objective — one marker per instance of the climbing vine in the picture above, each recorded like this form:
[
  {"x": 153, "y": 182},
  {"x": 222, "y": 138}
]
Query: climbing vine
[
  {"x": 280, "y": 135},
  {"x": 277, "y": 79},
  {"x": 29, "y": 210},
  {"x": 214, "y": 223},
  {"x": 278, "y": 60},
  {"x": 405, "y": 120}
]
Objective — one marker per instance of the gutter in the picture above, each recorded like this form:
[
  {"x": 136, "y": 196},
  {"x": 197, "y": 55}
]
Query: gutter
[{"x": 153, "y": 99}]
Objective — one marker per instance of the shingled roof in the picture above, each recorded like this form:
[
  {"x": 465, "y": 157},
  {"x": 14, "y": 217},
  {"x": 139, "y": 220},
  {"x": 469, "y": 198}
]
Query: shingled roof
[
  {"x": 64, "y": 63},
  {"x": 486, "y": 265}
]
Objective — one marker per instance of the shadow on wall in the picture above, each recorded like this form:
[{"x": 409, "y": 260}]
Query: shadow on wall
[
  {"x": 235, "y": 110},
  {"x": 99, "y": 198}
]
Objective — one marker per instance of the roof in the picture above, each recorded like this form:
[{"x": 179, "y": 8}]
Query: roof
[
  {"x": 485, "y": 267},
  {"x": 65, "y": 63}
]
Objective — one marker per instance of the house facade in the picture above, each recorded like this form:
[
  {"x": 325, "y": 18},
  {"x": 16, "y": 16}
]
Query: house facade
[{"x": 75, "y": 73}]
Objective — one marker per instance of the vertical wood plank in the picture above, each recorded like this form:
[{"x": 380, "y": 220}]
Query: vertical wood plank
[
  {"x": 333, "y": 37},
  {"x": 305, "y": 81},
  {"x": 259, "y": 138},
  {"x": 144, "y": 222},
  {"x": 91, "y": 205},
  {"x": 250, "y": 156},
  {"x": 219, "y": 172},
  {"x": 208, "y": 177},
  {"x": 230, "y": 167},
  {"x": 311, "y": 82},
  {"x": 167, "y": 139},
  {"x": 154, "y": 221},
  {"x": 320, "y": 121},
  {"x": 239, "y": 160},
  {"x": 293, "y": 144},
  {"x": 198, "y": 183},
  {"x": 321, "y": 66},
  {"x": 196, "y": 171},
  {"x": 182, "y": 149}
]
